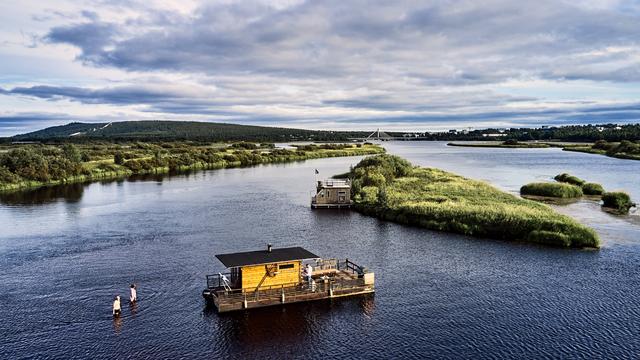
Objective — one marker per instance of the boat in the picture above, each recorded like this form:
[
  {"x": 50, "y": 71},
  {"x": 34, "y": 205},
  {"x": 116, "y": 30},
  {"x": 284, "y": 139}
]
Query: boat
[{"x": 283, "y": 276}]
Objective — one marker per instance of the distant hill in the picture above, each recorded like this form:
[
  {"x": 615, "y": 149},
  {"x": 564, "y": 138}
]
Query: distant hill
[{"x": 180, "y": 130}]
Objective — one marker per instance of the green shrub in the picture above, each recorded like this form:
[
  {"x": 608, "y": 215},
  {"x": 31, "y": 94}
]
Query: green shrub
[
  {"x": 7, "y": 176},
  {"x": 567, "y": 178},
  {"x": 118, "y": 158},
  {"x": 244, "y": 145},
  {"x": 625, "y": 147},
  {"x": 618, "y": 201},
  {"x": 72, "y": 153},
  {"x": 592, "y": 189},
  {"x": 602, "y": 145},
  {"x": 557, "y": 190}
]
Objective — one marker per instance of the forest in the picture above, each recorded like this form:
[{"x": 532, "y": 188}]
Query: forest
[{"x": 179, "y": 131}]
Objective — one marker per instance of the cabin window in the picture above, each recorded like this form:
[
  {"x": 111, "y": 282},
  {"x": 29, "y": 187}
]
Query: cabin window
[
  {"x": 285, "y": 266},
  {"x": 342, "y": 192}
]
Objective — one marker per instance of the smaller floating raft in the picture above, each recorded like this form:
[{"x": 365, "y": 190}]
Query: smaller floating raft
[
  {"x": 332, "y": 194},
  {"x": 282, "y": 276}
]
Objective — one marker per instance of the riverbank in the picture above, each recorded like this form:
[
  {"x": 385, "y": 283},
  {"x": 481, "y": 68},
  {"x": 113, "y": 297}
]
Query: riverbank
[
  {"x": 32, "y": 166},
  {"x": 390, "y": 188},
  {"x": 501, "y": 144},
  {"x": 627, "y": 150},
  {"x": 591, "y": 150}
]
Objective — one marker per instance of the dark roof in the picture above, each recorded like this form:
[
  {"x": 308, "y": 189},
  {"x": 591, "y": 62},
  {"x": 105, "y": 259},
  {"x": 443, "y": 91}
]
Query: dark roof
[{"x": 265, "y": 257}]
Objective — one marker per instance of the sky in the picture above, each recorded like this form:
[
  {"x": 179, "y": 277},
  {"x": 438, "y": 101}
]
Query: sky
[{"x": 326, "y": 65}]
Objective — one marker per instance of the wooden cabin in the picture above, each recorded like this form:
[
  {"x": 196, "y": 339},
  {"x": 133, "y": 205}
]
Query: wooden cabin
[
  {"x": 279, "y": 276},
  {"x": 332, "y": 194},
  {"x": 274, "y": 267}
]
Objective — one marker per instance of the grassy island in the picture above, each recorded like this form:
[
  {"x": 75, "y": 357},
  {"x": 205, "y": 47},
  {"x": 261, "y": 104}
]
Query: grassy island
[
  {"x": 555, "y": 190},
  {"x": 35, "y": 165},
  {"x": 567, "y": 187},
  {"x": 390, "y": 188},
  {"x": 625, "y": 149},
  {"x": 592, "y": 189},
  {"x": 617, "y": 202},
  {"x": 570, "y": 186}
]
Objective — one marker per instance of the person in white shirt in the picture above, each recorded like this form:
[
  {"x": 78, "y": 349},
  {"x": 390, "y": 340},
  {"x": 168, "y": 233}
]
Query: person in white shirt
[
  {"x": 116, "y": 306},
  {"x": 134, "y": 293},
  {"x": 309, "y": 272}
]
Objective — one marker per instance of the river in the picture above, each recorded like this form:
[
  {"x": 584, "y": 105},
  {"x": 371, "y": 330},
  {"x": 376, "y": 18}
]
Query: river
[{"x": 66, "y": 251}]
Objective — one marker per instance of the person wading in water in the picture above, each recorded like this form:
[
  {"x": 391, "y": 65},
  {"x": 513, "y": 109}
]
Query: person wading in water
[
  {"x": 116, "y": 307},
  {"x": 134, "y": 294}
]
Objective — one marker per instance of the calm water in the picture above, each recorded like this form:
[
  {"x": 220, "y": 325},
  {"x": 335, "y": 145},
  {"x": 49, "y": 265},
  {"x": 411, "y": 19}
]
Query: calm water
[{"x": 65, "y": 252}]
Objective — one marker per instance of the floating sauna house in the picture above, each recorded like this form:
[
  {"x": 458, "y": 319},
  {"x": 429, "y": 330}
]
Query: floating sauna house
[
  {"x": 332, "y": 194},
  {"x": 280, "y": 276}
]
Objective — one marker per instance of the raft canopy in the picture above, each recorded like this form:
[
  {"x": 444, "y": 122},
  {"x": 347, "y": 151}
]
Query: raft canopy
[{"x": 268, "y": 256}]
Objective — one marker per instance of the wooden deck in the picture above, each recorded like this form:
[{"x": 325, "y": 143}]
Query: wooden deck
[
  {"x": 330, "y": 282},
  {"x": 330, "y": 206}
]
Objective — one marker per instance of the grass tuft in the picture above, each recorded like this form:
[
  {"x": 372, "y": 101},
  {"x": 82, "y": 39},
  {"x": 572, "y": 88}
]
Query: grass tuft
[
  {"x": 592, "y": 189},
  {"x": 570, "y": 179},
  {"x": 556, "y": 190},
  {"x": 618, "y": 201}
]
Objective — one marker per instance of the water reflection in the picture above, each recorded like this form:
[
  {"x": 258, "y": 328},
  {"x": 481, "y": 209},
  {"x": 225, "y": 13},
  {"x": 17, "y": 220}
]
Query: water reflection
[
  {"x": 133, "y": 308},
  {"x": 290, "y": 324},
  {"x": 71, "y": 193},
  {"x": 117, "y": 324}
]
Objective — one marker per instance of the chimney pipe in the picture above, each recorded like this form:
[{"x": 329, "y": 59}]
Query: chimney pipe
[{"x": 268, "y": 247}]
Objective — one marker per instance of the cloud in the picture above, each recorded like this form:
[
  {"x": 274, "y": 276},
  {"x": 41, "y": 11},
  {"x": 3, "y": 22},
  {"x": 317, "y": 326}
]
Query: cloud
[
  {"x": 331, "y": 63},
  {"x": 441, "y": 42}
]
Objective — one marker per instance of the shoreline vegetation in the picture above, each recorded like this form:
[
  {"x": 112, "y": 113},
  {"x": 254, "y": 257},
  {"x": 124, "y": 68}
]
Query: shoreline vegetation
[
  {"x": 571, "y": 187},
  {"x": 391, "y": 188},
  {"x": 625, "y": 149},
  {"x": 25, "y": 167}
]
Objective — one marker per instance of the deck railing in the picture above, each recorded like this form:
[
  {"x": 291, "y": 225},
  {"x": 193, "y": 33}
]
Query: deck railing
[
  {"x": 215, "y": 280},
  {"x": 351, "y": 266},
  {"x": 288, "y": 290}
]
